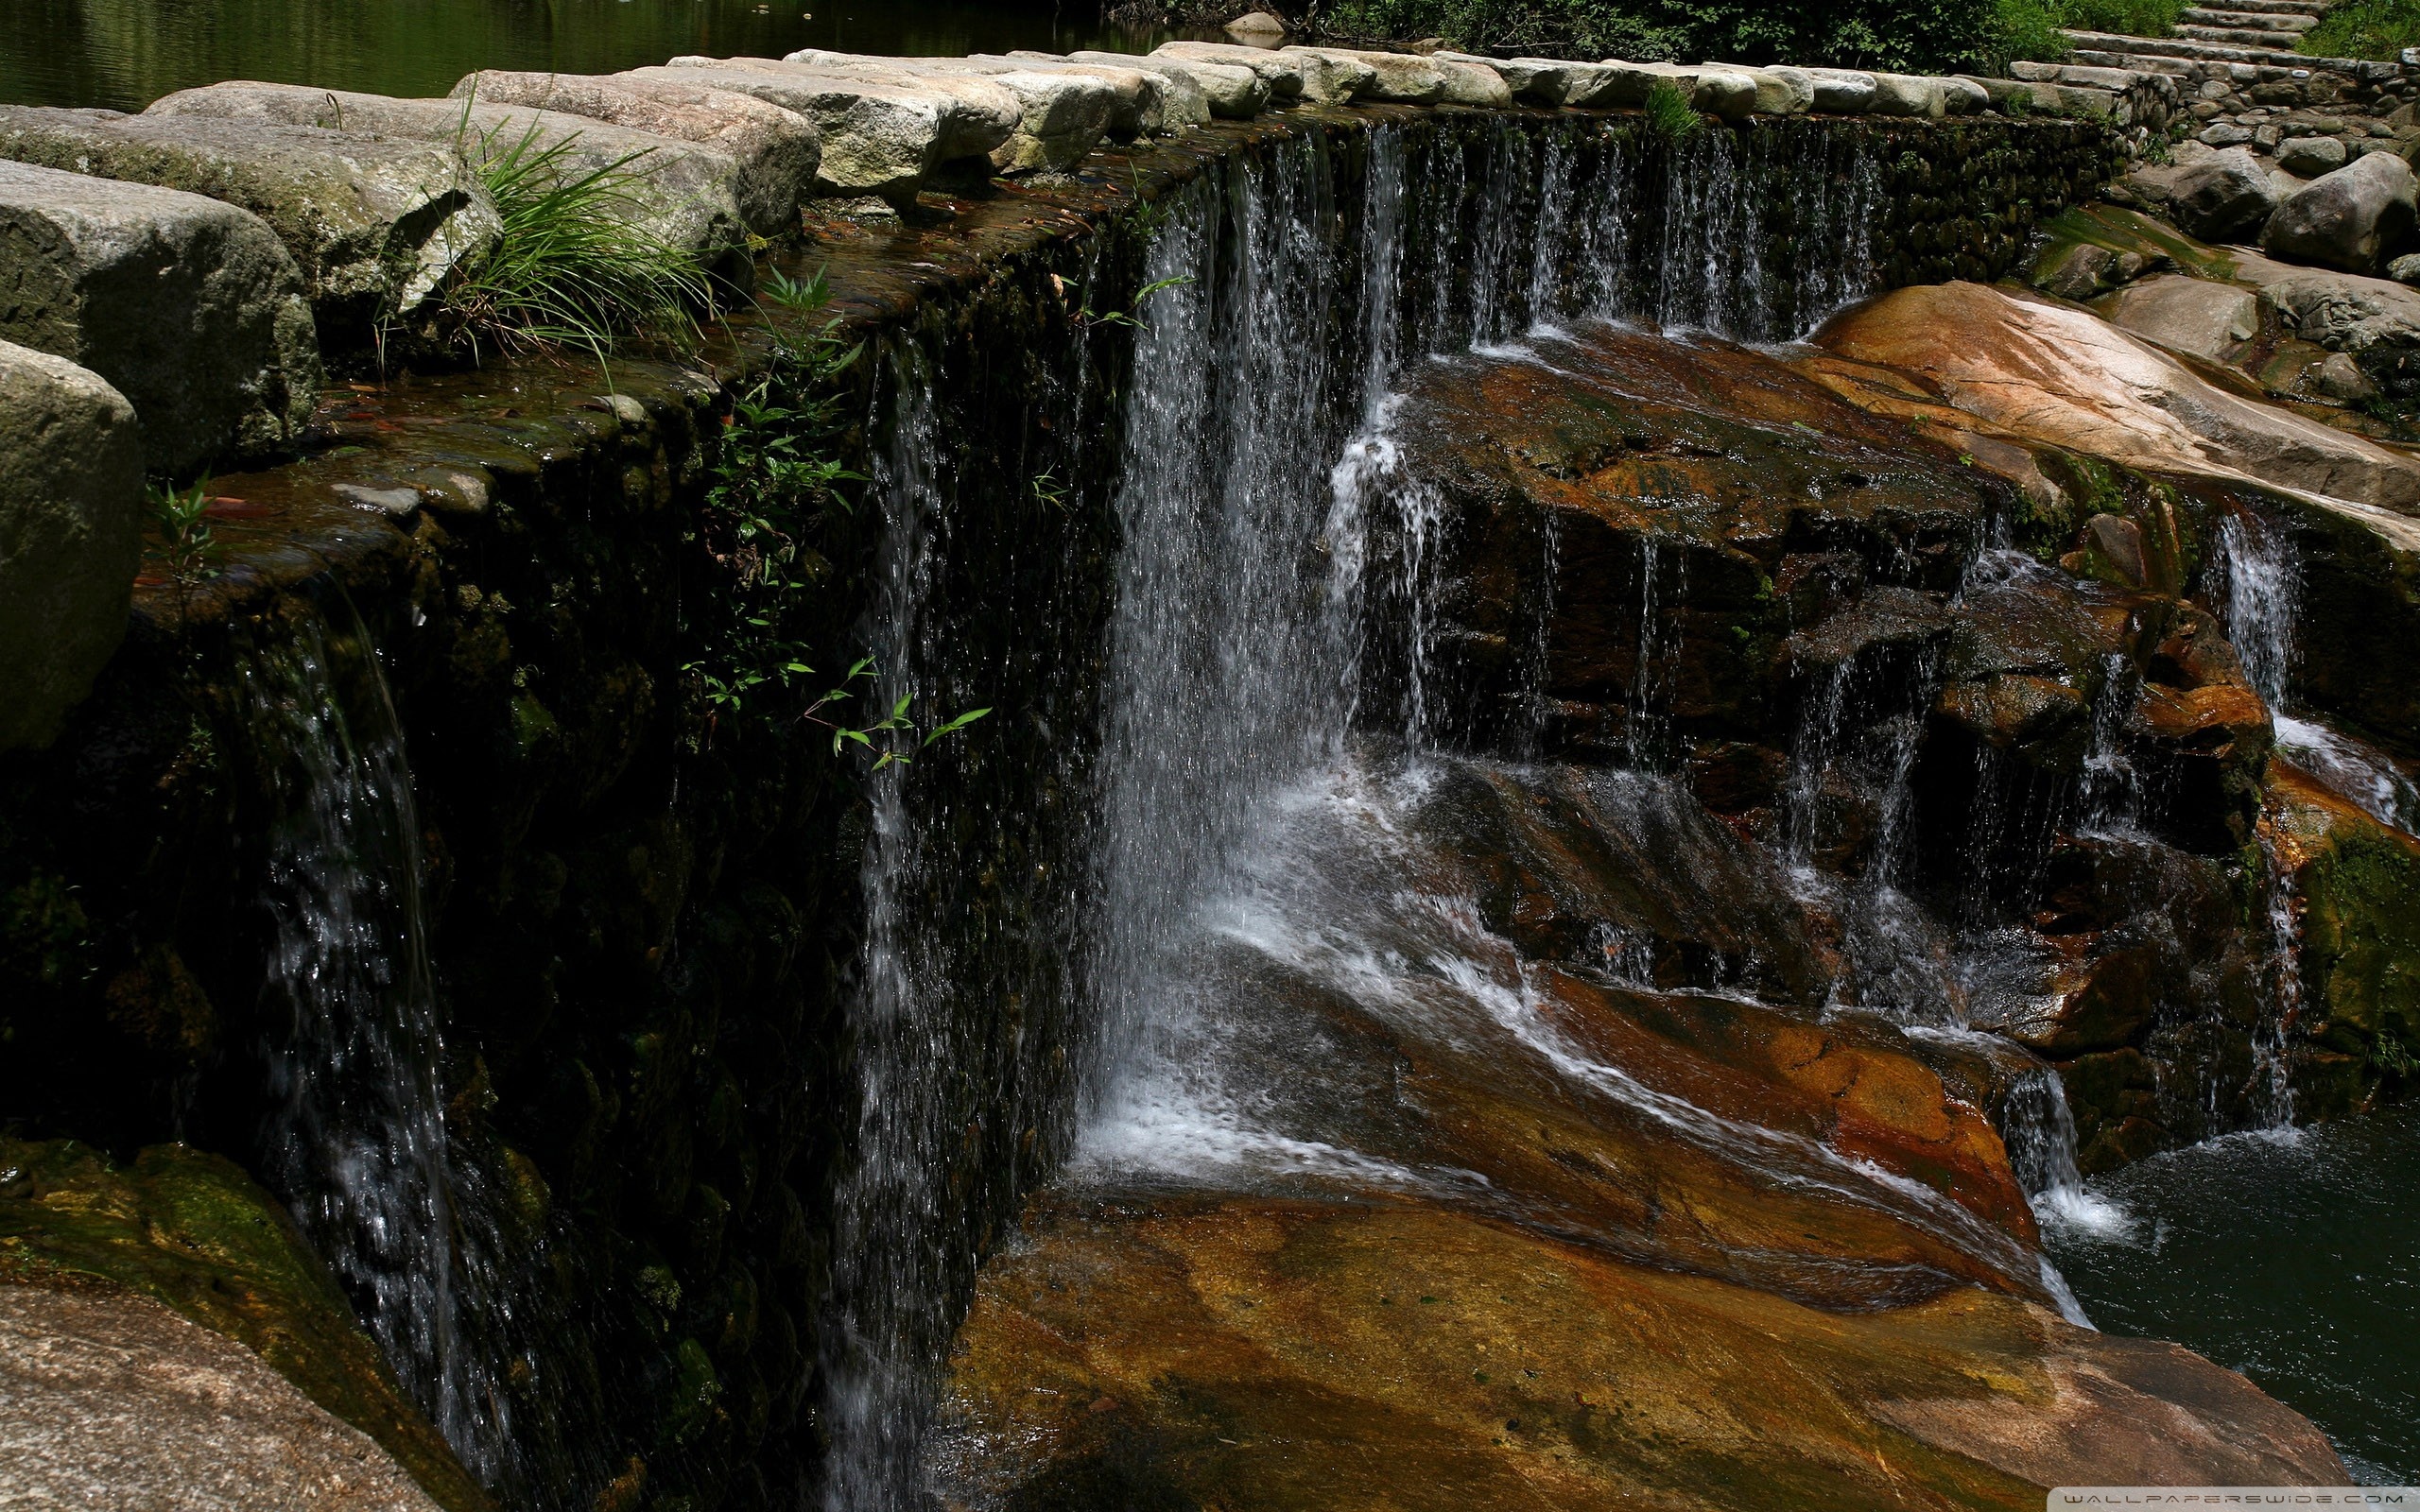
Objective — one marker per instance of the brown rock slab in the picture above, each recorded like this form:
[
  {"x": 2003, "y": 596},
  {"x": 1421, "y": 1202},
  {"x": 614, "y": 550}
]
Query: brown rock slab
[{"x": 108, "y": 1400}]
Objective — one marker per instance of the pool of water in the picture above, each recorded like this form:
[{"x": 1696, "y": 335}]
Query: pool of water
[
  {"x": 124, "y": 54},
  {"x": 2295, "y": 1259}
]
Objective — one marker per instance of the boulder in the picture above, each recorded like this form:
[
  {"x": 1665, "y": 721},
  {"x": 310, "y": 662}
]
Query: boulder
[
  {"x": 680, "y": 191},
  {"x": 1153, "y": 103},
  {"x": 1257, "y": 23},
  {"x": 2307, "y": 157},
  {"x": 2215, "y": 199},
  {"x": 2198, "y": 317},
  {"x": 1281, "y": 71},
  {"x": 1229, "y": 92},
  {"x": 108, "y": 1400},
  {"x": 777, "y": 150},
  {"x": 1963, "y": 96},
  {"x": 1779, "y": 90},
  {"x": 2345, "y": 312},
  {"x": 1331, "y": 77},
  {"x": 376, "y": 224},
  {"x": 1843, "y": 90},
  {"x": 1060, "y": 116},
  {"x": 1532, "y": 81},
  {"x": 2050, "y": 372},
  {"x": 879, "y": 137},
  {"x": 2405, "y": 269},
  {"x": 1908, "y": 95},
  {"x": 192, "y": 309},
  {"x": 1409, "y": 79},
  {"x": 2354, "y": 218},
  {"x": 71, "y": 536}
]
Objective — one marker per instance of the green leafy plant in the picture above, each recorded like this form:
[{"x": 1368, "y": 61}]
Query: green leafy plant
[
  {"x": 183, "y": 518},
  {"x": 1669, "y": 115},
  {"x": 779, "y": 482},
  {"x": 577, "y": 265},
  {"x": 2392, "y": 1056}
]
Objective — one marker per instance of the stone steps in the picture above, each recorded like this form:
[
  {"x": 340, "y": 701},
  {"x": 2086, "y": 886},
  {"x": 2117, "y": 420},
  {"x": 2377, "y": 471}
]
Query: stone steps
[
  {"x": 2237, "y": 36},
  {"x": 2248, "y": 21},
  {"x": 2310, "y": 8},
  {"x": 2109, "y": 47}
]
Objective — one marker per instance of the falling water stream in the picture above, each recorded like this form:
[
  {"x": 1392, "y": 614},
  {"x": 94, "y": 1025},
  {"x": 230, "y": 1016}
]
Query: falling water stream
[
  {"x": 1261, "y": 782},
  {"x": 1265, "y": 524}
]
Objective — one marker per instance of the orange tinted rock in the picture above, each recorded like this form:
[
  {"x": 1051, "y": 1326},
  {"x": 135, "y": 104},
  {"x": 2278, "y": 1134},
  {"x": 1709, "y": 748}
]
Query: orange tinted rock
[{"x": 1261, "y": 1354}]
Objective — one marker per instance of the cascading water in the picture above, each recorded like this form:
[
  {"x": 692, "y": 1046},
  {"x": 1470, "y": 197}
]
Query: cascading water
[
  {"x": 414, "y": 1219},
  {"x": 359, "y": 1141},
  {"x": 1264, "y": 528}
]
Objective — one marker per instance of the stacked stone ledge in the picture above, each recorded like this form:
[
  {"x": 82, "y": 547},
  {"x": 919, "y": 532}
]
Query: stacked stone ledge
[{"x": 202, "y": 264}]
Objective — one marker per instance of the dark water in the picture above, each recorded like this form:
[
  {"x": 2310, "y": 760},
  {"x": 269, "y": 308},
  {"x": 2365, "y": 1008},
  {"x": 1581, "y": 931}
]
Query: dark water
[
  {"x": 124, "y": 54},
  {"x": 2294, "y": 1260}
]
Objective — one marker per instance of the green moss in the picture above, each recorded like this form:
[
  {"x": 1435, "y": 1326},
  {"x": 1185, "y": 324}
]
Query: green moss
[
  {"x": 193, "y": 1231},
  {"x": 2362, "y": 937}
]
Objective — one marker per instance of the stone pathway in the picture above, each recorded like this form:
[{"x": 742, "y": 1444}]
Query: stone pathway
[{"x": 2242, "y": 84}]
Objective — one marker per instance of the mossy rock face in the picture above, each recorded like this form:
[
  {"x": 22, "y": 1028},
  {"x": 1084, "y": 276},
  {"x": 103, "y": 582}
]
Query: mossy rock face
[
  {"x": 193, "y": 1231},
  {"x": 2360, "y": 885}
]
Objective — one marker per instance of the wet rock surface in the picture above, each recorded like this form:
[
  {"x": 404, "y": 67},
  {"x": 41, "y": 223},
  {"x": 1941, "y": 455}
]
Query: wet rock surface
[{"x": 1913, "y": 758}]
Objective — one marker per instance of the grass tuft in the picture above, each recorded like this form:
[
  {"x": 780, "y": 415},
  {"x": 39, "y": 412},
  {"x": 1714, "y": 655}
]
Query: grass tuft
[
  {"x": 1669, "y": 115},
  {"x": 575, "y": 266}
]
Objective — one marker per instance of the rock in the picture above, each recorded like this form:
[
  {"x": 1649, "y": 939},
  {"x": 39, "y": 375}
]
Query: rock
[
  {"x": 1724, "y": 93},
  {"x": 680, "y": 191},
  {"x": 2352, "y": 218},
  {"x": 2340, "y": 377},
  {"x": 1331, "y": 77},
  {"x": 1158, "y": 101},
  {"x": 2405, "y": 269},
  {"x": 2079, "y": 271},
  {"x": 1847, "y": 91},
  {"x": 190, "y": 308},
  {"x": 1060, "y": 116},
  {"x": 2066, "y": 377},
  {"x": 1229, "y": 92},
  {"x": 2224, "y": 134},
  {"x": 1282, "y": 74},
  {"x": 1908, "y": 95},
  {"x": 111, "y": 1400},
  {"x": 190, "y": 1232},
  {"x": 879, "y": 137},
  {"x": 2307, "y": 157},
  {"x": 1397, "y": 78},
  {"x": 376, "y": 224},
  {"x": 1164, "y": 1349},
  {"x": 71, "y": 536},
  {"x": 1963, "y": 96},
  {"x": 2218, "y": 199},
  {"x": 1257, "y": 23},
  {"x": 2343, "y": 311},
  {"x": 1436, "y": 80},
  {"x": 777, "y": 150},
  {"x": 1536, "y": 81},
  {"x": 2358, "y": 884},
  {"x": 2188, "y": 315}
]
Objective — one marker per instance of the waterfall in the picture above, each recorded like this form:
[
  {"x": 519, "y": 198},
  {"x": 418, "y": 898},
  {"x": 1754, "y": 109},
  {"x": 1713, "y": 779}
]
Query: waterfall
[
  {"x": 358, "y": 1146},
  {"x": 1260, "y": 516},
  {"x": 880, "y": 1358}
]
